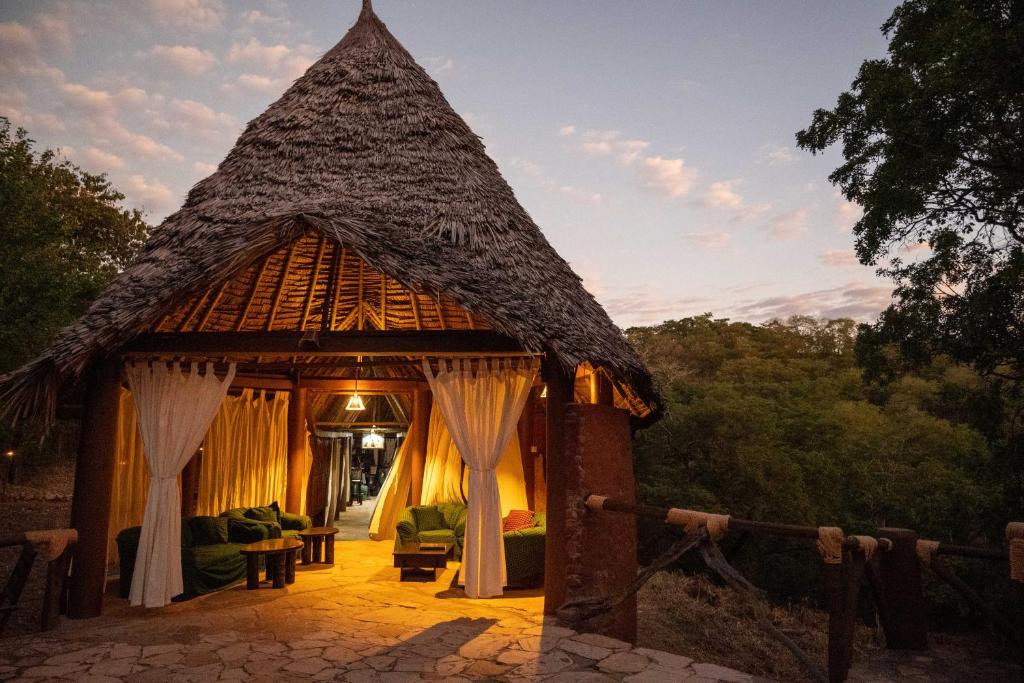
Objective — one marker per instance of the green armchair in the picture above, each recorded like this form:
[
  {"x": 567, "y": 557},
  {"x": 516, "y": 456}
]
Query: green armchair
[{"x": 441, "y": 523}]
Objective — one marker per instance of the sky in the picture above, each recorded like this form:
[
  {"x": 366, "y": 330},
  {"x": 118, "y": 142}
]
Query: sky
[{"x": 652, "y": 141}]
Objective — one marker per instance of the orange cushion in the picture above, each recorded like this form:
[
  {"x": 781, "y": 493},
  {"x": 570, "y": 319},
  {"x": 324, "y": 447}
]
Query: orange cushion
[{"x": 517, "y": 519}]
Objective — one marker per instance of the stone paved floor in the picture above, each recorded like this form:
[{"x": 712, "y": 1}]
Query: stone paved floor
[
  {"x": 353, "y": 622},
  {"x": 354, "y": 522}
]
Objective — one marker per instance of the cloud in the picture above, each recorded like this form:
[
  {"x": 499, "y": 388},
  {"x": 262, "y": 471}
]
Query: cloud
[
  {"x": 199, "y": 15},
  {"x": 607, "y": 142},
  {"x": 440, "y": 65},
  {"x": 670, "y": 177},
  {"x": 847, "y": 213},
  {"x": 278, "y": 59},
  {"x": 146, "y": 146},
  {"x": 16, "y": 39},
  {"x": 204, "y": 169},
  {"x": 100, "y": 161},
  {"x": 722, "y": 194},
  {"x": 777, "y": 155},
  {"x": 182, "y": 59},
  {"x": 839, "y": 258},
  {"x": 566, "y": 131},
  {"x": 854, "y": 300},
  {"x": 258, "y": 83},
  {"x": 788, "y": 225},
  {"x": 647, "y": 304},
  {"x": 151, "y": 195},
  {"x": 578, "y": 195},
  {"x": 708, "y": 240},
  {"x": 197, "y": 114}
]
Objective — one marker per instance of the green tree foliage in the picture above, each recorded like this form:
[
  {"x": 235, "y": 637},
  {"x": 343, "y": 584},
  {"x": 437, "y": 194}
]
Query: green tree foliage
[
  {"x": 775, "y": 422},
  {"x": 63, "y": 236},
  {"x": 933, "y": 142}
]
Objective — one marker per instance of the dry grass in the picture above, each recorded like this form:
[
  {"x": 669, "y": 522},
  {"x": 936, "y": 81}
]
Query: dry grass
[{"x": 691, "y": 616}]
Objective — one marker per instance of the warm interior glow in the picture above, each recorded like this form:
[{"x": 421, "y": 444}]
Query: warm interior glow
[
  {"x": 355, "y": 403},
  {"x": 544, "y": 392}
]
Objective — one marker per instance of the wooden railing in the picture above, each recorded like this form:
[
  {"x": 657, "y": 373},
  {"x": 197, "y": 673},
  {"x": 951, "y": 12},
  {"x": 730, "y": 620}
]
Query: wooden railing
[
  {"x": 889, "y": 564},
  {"x": 55, "y": 547}
]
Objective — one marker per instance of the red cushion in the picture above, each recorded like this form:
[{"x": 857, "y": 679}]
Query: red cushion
[{"x": 517, "y": 519}]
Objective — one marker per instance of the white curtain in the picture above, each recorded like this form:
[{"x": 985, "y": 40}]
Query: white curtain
[
  {"x": 481, "y": 409},
  {"x": 174, "y": 410}
]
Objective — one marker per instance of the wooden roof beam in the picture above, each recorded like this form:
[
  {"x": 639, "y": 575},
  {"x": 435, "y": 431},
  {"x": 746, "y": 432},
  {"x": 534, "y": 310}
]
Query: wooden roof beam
[{"x": 286, "y": 344}]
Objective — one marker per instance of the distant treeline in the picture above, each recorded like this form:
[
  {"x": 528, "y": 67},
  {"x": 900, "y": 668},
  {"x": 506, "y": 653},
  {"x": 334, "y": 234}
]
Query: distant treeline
[{"x": 777, "y": 422}]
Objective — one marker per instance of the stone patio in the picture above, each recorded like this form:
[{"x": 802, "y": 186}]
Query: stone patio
[{"x": 353, "y": 622}]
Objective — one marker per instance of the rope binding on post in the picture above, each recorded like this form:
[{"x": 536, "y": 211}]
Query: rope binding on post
[
  {"x": 868, "y": 545},
  {"x": 926, "y": 551},
  {"x": 830, "y": 544},
  {"x": 691, "y": 520}
]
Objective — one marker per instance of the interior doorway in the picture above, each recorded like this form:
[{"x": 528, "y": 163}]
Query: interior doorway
[{"x": 354, "y": 446}]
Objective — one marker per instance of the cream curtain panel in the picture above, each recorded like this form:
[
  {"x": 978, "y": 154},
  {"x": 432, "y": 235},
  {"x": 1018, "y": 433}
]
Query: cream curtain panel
[
  {"x": 245, "y": 453},
  {"x": 443, "y": 468},
  {"x": 393, "y": 496},
  {"x": 481, "y": 407},
  {"x": 174, "y": 411},
  {"x": 128, "y": 499}
]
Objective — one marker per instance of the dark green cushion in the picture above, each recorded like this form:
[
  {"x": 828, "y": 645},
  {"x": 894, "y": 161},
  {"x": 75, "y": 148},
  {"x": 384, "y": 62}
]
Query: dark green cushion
[
  {"x": 209, "y": 530},
  {"x": 247, "y": 530},
  {"x": 437, "y": 536},
  {"x": 262, "y": 514},
  {"x": 428, "y": 518},
  {"x": 277, "y": 511}
]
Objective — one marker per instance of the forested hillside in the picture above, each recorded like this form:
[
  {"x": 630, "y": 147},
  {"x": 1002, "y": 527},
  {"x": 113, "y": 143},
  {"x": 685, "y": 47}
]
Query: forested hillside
[{"x": 777, "y": 422}]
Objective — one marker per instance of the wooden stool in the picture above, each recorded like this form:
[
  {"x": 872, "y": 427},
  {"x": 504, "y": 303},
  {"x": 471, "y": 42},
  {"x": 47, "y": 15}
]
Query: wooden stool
[
  {"x": 280, "y": 560},
  {"x": 314, "y": 539}
]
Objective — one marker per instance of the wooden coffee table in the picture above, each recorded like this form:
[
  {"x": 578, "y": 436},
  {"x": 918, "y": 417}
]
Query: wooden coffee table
[
  {"x": 314, "y": 538},
  {"x": 413, "y": 558},
  {"x": 280, "y": 554}
]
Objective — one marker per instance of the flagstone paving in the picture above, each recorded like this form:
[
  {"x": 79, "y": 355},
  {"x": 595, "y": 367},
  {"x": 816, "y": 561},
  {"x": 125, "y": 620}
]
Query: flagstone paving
[{"x": 353, "y": 622}]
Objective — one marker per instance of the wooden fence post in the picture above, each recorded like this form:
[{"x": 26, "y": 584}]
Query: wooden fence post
[{"x": 899, "y": 573}]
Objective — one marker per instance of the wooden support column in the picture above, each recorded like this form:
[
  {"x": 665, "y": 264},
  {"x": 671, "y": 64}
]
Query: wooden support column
[
  {"x": 601, "y": 391},
  {"x": 525, "y": 434},
  {"x": 190, "y": 485},
  {"x": 296, "y": 450},
  {"x": 899, "y": 573},
  {"x": 420, "y": 428},
  {"x": 560, "y": 393},
  {"x": 94, "y": 481}
]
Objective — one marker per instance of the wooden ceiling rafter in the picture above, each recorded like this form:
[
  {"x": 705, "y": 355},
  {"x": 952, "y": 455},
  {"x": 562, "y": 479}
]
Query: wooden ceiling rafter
[
  {"x": 213, "y": 306},
  {"x": 311, "y": 290},
  {"x": 279, "y": 289},
  {"x": 252, "y": 292},
  {"x": 312, "y": 282}
]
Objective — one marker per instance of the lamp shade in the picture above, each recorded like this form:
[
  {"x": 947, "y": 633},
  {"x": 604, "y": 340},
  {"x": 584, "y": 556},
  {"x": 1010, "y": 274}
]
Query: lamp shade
[
  {"x": 373, "y": 441},
  {"x": 355, "y": 403}
]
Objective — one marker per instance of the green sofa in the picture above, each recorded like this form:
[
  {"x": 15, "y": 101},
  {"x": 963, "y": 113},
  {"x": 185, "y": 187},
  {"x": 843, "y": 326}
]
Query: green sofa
[
  {"x": 210, "y": 557},
  {"x": 446, "y": 522}
]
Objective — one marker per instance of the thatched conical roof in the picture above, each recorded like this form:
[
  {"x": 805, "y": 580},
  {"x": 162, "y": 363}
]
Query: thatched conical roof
[{"x": 362, "y": 152}]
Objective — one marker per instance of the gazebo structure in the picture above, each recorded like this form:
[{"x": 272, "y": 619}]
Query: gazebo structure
[{"x": 356, "y": 232}]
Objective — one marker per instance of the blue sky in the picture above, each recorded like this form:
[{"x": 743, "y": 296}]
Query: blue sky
[{"x": 653, "y": 142}]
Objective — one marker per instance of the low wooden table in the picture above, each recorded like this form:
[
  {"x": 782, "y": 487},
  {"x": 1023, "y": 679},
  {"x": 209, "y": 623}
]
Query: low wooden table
[
  {"x": 414, "y": 557},
  {"x": 313, "y": 539},
  {"x": 280, "y": 554}
]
